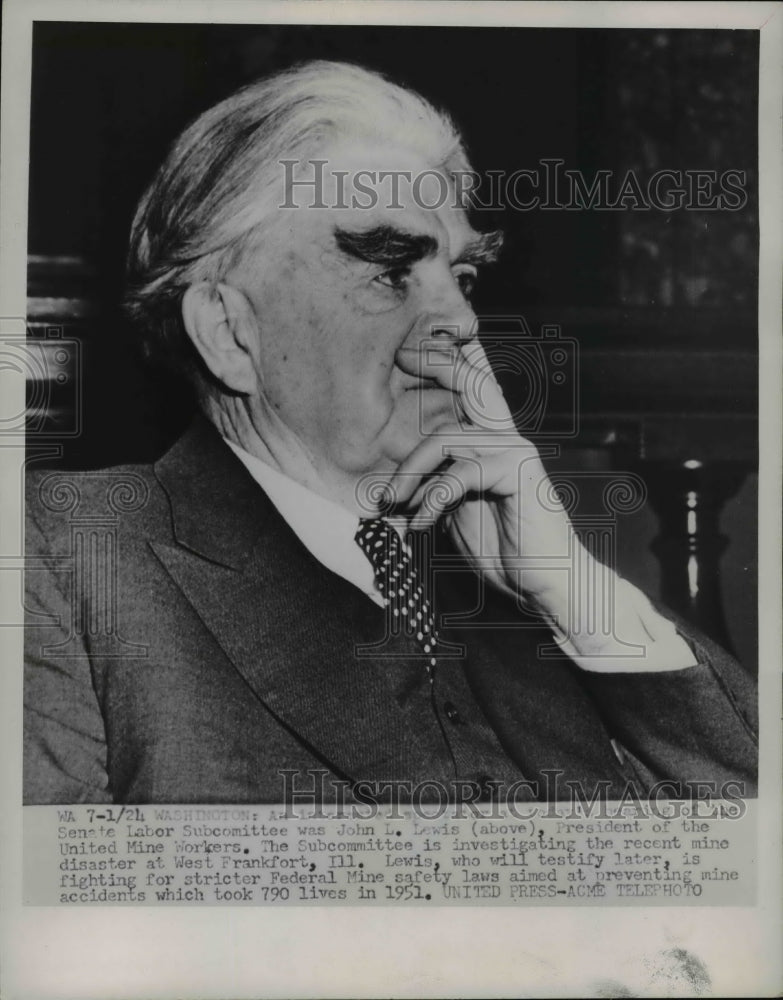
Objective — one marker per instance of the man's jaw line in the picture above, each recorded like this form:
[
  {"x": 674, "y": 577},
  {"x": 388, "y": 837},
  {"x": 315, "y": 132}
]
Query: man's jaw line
[
  {"x": 265, "y": 435},
  {"x": 269, "y": 439}
]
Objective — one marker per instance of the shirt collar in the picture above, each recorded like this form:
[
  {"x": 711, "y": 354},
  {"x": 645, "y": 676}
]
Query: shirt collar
[{"x": 326, "y": 529}]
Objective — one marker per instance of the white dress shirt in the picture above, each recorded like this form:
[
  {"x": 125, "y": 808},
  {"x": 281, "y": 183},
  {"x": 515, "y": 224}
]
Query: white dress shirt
[{"x": 327, "y": 530}]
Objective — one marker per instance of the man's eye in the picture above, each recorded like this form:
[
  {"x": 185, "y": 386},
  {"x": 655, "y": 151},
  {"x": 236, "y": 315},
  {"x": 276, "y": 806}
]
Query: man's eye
[
  {"x": 395, "y": 277},
  {"x": 466, "y": 281}
]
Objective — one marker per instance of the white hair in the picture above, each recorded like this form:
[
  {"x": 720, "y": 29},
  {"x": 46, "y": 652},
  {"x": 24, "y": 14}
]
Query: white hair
[{"x": 221, "y": 178}]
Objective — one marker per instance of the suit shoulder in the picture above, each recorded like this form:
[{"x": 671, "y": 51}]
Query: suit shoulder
[
  {"x": 53, "y": 487},
  {"x": 55, "y": 497}
]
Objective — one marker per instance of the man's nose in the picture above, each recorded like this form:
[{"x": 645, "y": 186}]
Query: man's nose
[
  {"x": 458, "y": 333},
  {"x": 452, "y": 319}
]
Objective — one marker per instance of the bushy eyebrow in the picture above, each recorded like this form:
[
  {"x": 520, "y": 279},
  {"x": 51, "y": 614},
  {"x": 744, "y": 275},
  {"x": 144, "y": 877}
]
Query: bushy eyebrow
[
  {"x": 386, "y": 245},
  {"x": 484, "y": 249},
  {"x": 393, "y": 247}
]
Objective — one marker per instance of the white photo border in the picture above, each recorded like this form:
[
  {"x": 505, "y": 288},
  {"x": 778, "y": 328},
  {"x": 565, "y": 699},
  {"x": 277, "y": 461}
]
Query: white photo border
[{"x": 224, "y": 952}]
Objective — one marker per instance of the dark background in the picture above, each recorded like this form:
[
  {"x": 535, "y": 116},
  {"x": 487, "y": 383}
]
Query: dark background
[{"x": 663, "y": 305}]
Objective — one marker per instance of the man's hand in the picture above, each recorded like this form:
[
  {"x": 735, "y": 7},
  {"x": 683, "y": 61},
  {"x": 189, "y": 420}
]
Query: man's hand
[
  {"x": 505, "y": 516},
  {"x": 501, "y": 509}
]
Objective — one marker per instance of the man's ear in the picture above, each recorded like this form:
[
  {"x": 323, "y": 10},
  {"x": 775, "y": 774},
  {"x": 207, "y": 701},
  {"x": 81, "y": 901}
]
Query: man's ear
[{"x": 222, "y": 325}]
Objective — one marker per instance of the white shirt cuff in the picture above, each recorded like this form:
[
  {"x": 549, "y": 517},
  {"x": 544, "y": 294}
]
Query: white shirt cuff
[{"x": 663, "y": 649}]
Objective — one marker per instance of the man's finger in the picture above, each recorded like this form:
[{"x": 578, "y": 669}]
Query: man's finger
[
  {"x": 434, "y": 360},
  {"x": 438, "y": 495},
  {"x": 425, "y": 458},
  {"x": 479, "y": 391},
  {"x": 444, "y": 492},
  {"x": 451, "y": 365}
]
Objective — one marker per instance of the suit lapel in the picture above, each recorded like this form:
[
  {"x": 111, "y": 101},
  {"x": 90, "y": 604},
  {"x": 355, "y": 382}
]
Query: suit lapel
[{"x": 287, "y": 624}]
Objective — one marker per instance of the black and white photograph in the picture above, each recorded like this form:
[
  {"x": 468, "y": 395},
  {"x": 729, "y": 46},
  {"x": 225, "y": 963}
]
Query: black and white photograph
[
  {"x": 391, "y": 450},
  {"x": 303, "y": 274}
]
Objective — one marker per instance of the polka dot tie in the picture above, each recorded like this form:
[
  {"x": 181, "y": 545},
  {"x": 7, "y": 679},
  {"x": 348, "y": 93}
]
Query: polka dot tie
[{"x": 398, "y": 581}]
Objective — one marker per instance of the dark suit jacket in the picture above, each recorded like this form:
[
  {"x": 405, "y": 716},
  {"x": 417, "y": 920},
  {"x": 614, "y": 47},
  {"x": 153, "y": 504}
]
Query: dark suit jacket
[{"x": 183, "y": 646}]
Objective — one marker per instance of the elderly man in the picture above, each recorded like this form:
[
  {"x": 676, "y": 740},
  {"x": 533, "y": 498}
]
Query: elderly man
[{"x": 350, "y": 575}]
